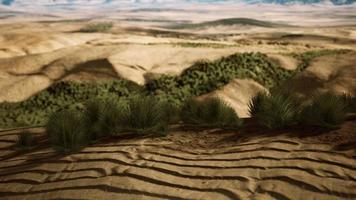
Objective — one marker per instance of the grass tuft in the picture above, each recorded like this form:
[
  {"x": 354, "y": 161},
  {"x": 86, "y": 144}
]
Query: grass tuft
[
  {"x": 326, "y": 110},
  {"x": 275, "y": 110},
  {"x": 212, "y": 112},
  {"x": 146, "y": 115},
  {"x": 67, "y": 131}
]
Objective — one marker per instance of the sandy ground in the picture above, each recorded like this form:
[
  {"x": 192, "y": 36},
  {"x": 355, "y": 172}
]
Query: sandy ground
[{"x": 253, "y": 163}]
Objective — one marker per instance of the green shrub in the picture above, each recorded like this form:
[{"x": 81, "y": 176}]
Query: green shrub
[
  {"x": 62, "y": 95},
  {"x": 67, "y": 132},
  {"x": 25, "y": 140},
  {"x": 275, "y": 110},
  {"x": 206, "y": 76},
  {"x": 212, "y": 112},
  {"x": 146, "y": 115},
  {"x": 97, "y": 27},
  {"x": 326, "y": 110}
]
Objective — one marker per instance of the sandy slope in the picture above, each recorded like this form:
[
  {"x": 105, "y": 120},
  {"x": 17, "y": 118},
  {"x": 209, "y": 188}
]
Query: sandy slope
[
  {"x": 237, "y": 94},
  {"x": 186, "y": 165},
  {"x": 328, "y": 73}
]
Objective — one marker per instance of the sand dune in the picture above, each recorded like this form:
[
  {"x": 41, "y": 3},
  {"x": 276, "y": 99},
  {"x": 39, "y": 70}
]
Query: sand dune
[
  {"x": 210, "y": 166},
  {"x": 328, "y": 73},
  {"x": 237, "y": 94}
]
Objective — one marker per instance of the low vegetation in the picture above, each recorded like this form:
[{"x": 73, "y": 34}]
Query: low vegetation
[
  {"x": 25, "y": 140},
  {"x": 274, "y": 110},
  {"x": 98, "y": 116},
  {"x": 70, "y": 130},
  {"x": 280, "y": 109},
  {"x": 97, "y": 27},
  {"x": 202, "y": 77},
  {"x": 200, "y": 44},
  {"x": 326, "y": 110},
  {"x": 206, "y": 76},
  {"x": 67, "y": 131},
  {"x": 212, "y": 112},
  {"x": 145, "y": 115},
  {"x": 63, "y": 95}
]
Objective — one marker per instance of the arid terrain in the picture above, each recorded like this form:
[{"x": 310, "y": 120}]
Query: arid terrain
[
  {"x": 40, "y": 51},
  {"x": 188, "y": 164},
  {"x": 34, "y": 55}
]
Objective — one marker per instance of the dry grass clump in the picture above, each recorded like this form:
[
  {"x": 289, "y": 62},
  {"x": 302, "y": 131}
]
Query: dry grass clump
[{"x": 212, "y": 112}]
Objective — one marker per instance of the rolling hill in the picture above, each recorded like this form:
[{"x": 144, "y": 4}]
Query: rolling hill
[{"x": 228, "y": 22}]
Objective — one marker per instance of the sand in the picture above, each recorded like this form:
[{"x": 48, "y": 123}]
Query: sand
[{"x": 188, "y": 164}]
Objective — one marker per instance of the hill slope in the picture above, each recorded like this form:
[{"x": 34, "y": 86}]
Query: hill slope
[{"x": 228, "y": 22}]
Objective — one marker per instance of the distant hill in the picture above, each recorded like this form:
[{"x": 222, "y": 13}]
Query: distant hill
[
  {"x": 69, "y": 2},
  {"x": 335, "y": 2},
  {"x": 228, "y": 22}
]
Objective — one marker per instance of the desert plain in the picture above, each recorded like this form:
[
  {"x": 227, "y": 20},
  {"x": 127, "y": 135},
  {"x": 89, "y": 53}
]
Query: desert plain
[{"x": 39, "y": 51}]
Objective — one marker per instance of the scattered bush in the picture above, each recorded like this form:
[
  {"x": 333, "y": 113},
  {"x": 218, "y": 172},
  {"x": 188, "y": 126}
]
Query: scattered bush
[
  {"x": 67, "y": 131},
  {"x": 326, "y": 110},
  {"x": 212, "y": 112},
  {"x": 97, "y": 27},
  {"x": 275, "y": 110},
  {"x": 25, "y": 140}
]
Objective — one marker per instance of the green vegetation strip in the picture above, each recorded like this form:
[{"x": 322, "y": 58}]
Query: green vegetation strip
[{"x": 201, "y": 78}]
